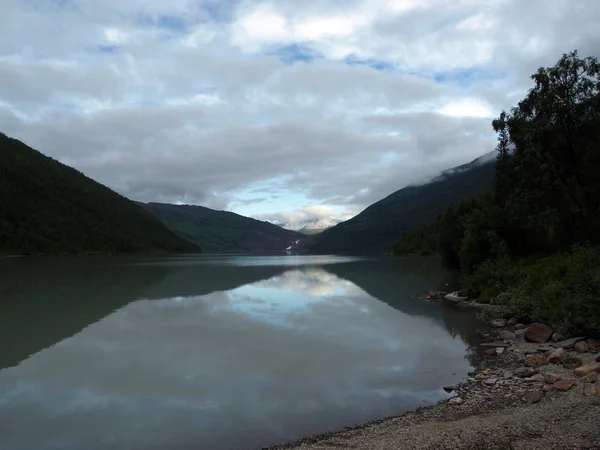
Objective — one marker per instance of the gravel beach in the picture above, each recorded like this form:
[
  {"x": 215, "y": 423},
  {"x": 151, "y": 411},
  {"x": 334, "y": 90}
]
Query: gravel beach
[{"x": 526, "y": 395}]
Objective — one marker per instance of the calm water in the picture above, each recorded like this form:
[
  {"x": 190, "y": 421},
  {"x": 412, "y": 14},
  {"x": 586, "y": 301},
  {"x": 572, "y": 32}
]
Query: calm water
[{"x": 217, "y": 352}]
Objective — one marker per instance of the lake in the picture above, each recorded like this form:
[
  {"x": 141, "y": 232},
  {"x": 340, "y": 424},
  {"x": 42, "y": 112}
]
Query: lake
[{"x": 218, "y": 352}]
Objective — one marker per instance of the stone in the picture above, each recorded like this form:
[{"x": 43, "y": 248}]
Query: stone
[
  {"x": 568, "y": 343},
  {"x": 499, "y": 323},
  {"x": 455, "y": 297},
  {"x": 456, "y": 401},
  {"x": 534, "y": 379},
  {"x": 590, "y": 389},
  {"x": 558, "y": 356},
  {"x": 551, "y": 377},
  {"x": 534, "y": 397},
  {"x": 485, "y": 372},
  {"x": 538, "y": 332},
  {"x": 547, "y": 387},
  {"x": 520, "y": 333},
  {"x": 490, "y": 381},
  {"x": 582, "y": 371},
  {"x": 490, "y": 351},
  {"x": 494, "y": 344},
  {"x": 523, "y": 372},
  {"x": 591, "y": 377},
  {"x": 543, "y": 349},
  {"x": 499, "y": 350},
  {"x": 536, "y": 360},
  {"x": 505, "y": 334},
  {"x": 572, "y": 362},
  {"x": 564, "y": 385},
  {"x": 436, "y": 295},
  {"x": 581, "y": 347},
  {"x": 512, "y": 321},
  {"x": 594, "y": 345},
  {"x": 557, "y": 337},
  {"x": 519, "y": 326}
]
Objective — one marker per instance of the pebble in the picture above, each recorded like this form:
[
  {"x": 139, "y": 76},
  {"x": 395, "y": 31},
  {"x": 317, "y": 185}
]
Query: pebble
[
  {"x": 534, "y": 397},
  {"x": 456, "y": 401},
  {"x": 581, "y": 347},
  {"x": 564, "y": 385}
]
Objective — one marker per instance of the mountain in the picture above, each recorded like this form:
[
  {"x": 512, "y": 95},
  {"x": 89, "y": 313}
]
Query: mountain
[
  {"x": 379, "y": 227},
  {"x": 222, "y": 231},
  {"x": 310, "y": 231},
  {"x": 47, "y": 207}
]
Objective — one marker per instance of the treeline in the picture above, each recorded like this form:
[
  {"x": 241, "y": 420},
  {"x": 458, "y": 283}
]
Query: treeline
[
  {"x": 532, "y": 243},
  {"x": 47, "y": 207}
]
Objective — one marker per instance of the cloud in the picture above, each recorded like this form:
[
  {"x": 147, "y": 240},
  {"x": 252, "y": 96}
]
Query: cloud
[{"x": 326, "y": 103}]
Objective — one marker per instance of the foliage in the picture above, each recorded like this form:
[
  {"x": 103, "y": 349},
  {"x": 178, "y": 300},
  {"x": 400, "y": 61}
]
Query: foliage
[
  {"x": 47, "y": 207},
  {"x": 222, "y": 231},
  {"x": 515, "y": 246}
]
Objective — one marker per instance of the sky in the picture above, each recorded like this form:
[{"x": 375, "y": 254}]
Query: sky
[{"x": 300, "y": 113}]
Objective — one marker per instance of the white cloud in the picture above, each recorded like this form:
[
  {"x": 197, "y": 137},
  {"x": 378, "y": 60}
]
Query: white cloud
[{"x": 468, "y": 107}]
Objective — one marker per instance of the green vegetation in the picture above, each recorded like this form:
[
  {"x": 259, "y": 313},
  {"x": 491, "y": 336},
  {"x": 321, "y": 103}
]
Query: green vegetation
[
  {"x": 49, "y": 208},
  {"x": 378, "y": 227},
  {"x": 222, "y": 231},
  {"x": 534, "y": 243}
]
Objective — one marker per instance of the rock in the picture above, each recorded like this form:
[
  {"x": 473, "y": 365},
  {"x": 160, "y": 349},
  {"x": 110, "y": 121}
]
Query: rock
[
  {"x": 572, "y": 362},
  {"x": 485, "y": 372},
  {"x": 490, "y": 351},
  {"x": 499, "y": 350},
  {"x": 456, "y": 401},
  {"x": 538, "y": 332},
  {"x": 551, "y": 377},
  {"x": 494, "y": 344},
  {"x": 436, "y": 295},
  {"x": 512, "y": 321},
  {"x": 505, "y": 334},
  {"x": 523, "y": 372},
  {"x": 490, "y": 381},
  {"x": 558, "y": 356},
  {"x": 547, "y": 388},
  {"x": 519, "y": 326},
  {"x": 535, "y": 361},
  {"x": 557, "y": 337},
  {"x": 499, "y": 323},
  {"x": 564, "y": 385},
  {"x": 543, "y": 349},
  {"x": 581, "y": 347},
  {"x": 594, "y": 345},
  {"x": 534, "y": 397},
  {"x": 455, "y": 297},
  {"x": 568, "y": 343},
  {"x": 590, "y": 389},
  {"x": 520, "y": 333},
  {"x": 449, "y": 388},
  {"x": 582, "y": 371},
  {"x": 534, "y": 379},
  {"x": 590, "y": 377}
]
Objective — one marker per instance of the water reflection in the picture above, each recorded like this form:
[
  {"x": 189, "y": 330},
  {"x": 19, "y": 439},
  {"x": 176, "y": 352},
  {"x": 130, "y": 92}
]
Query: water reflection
[{"x": 299, "y": 351}]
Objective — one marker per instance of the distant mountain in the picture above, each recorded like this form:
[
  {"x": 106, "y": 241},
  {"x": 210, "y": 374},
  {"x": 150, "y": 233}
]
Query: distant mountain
[
  {"x": 378, "y": 228},
  {"x": 47, "y": 207},
  {"x": 310, "y": 231},
  {"x": 222, "y": 231}
]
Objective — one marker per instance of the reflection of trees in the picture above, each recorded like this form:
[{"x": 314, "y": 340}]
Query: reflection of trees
[{"x": 396, "y": 280}]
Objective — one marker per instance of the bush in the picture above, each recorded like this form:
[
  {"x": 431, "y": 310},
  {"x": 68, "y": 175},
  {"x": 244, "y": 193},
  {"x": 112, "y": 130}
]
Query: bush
[{"x": 562, "y": 290}]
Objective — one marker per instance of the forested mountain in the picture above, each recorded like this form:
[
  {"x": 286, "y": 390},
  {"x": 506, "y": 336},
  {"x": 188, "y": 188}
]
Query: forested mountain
[
  {"x": 533, "y": 243},
  {"x": 378, "y": 227},
  {"x": 222, "y": 231},
  {"x": 47, "y": 207}
]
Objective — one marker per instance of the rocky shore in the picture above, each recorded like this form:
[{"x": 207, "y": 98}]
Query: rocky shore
[{"x": 533, "y": 390}]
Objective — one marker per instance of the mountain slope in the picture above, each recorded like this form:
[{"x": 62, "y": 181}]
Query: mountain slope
[
  {"x": 222, "y": 231},
  {"x": 379, "y": 227},
  {"x": 48, "y": 207}
]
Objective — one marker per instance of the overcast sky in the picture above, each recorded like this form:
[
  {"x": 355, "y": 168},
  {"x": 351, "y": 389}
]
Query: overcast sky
[{"x": 294, "y": 111}]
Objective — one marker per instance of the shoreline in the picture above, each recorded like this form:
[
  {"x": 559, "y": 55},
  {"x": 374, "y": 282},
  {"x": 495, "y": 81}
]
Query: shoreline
[{"x": 505, "y": 403}]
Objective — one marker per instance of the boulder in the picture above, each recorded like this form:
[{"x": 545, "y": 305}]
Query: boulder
[
  {"x": 499, "y": 323},
  {"x": 581, "y": 347},
  {"x": 524, "y": 372},
  {"x": 538, "y": 332},
  {"x": 564, "y": 385},
  {"x": 505, "y": 334},
  {"x": 455, "y": 401},
  {"x": 519, "y": 326},
  {"x": 499, "y": 350},
  {"x": 536, "y": 360},
  {"x": 520, "y": 333},
  {"x": 558, "y": 356},
  {"x": 455, "y": 297},
  {"x": 591, "y": 377},
  {"x": 490, "y": 351},
  {"x": 572, "y": 362},
  {"x": 582, "y": 371},
  {"x": 557, "y": 337},
  {"x": 449, "y": 388},
  {"x": 594, "y": 345},
  {"x": 551, "y": 377},
  {"x": 568, "y": 343},
  {"x": 534, "y": 397},
  {"x": 590, "y": 389},
  {"x": 512, "y": 321}
]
